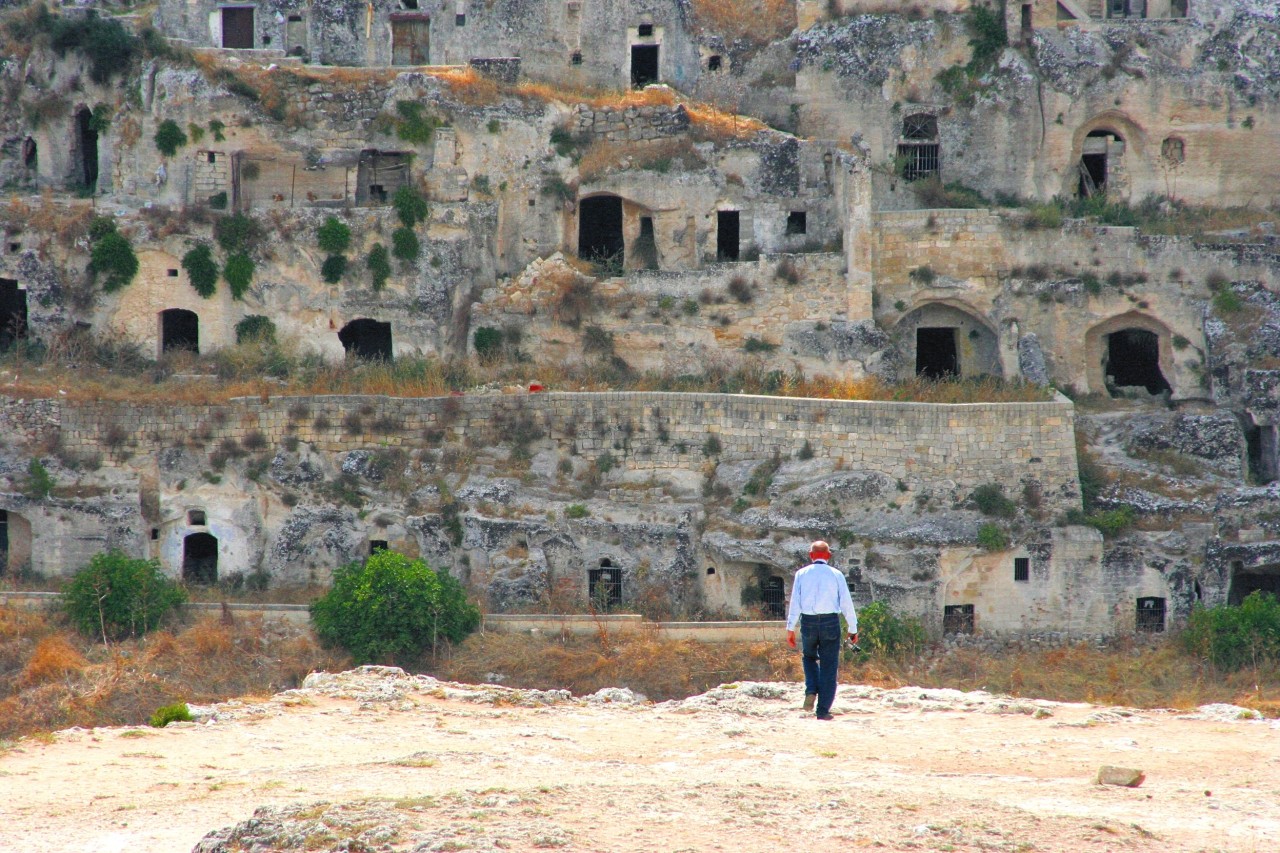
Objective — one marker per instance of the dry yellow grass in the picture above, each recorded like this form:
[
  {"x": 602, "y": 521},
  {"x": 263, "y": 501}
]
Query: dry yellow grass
[
  {"x": 54, "y": 657},
  {"x": 756, "y": 22}
]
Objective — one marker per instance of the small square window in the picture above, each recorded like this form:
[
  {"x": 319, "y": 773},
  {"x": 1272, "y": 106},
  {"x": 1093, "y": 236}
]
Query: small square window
[
  {"x": 196, "y": 517},
  {"x": 266, "y": 40},
  {"x": 532, "y": 202},
  {"x": 645, "y": 30},
  {"x": 376, "y": 545},
  {"x": 1022, "y": 568},
  {"x": 797, "y": 222},
  {"x": 15, "y": 247},
  {"x": 173, "y": 273},
  {"x": 715, "y": 62},
  {"x": 575, "y": 58},
  {"x": 155, "y": 533},
  {"x": 295, "y": 19},
  {"x": 211, "y": 156},
  {"x": 460, "y": 19}
]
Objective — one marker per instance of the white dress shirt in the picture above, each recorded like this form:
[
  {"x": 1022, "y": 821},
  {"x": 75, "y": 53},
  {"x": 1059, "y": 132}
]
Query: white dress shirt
[{"x": 819, "y": 588}]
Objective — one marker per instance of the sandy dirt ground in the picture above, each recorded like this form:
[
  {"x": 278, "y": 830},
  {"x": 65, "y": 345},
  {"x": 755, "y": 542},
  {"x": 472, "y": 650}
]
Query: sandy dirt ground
[{"x": 376, "y": 760}]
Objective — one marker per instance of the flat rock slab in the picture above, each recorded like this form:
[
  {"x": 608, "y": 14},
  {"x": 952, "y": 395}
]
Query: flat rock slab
[{"x": 1126, "y": 777}]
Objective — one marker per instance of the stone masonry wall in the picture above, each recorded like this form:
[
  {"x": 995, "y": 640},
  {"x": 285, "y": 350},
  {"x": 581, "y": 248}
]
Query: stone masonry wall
[
  {"x": 967, "y": 445},
  {"x": 630, "y": 124}
]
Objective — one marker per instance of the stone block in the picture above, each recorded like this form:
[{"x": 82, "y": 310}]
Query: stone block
[{"x": 1126, "y": 777}]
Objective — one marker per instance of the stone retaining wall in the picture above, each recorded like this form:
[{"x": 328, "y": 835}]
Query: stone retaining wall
[{"x": 630, "y": 124}]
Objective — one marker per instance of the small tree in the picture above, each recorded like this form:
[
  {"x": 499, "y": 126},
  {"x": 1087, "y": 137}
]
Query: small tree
[
  {"x": 118, "y": 596},
  {"x": 333, "y": 236},
  {"x": 390, "y": 607}
]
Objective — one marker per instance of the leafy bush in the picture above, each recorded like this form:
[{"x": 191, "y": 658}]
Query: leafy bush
[
  {"x": 169, "y": 137},
  {"x": 605, "y": 462},
  {"x": 333, "y": 236},
  {"x": 711, "y": 447},
  {"x": 333, "y": 268},
  {"x": 488, "y": 341},
  {"x": 1112, "y": 522},
  {"x": 405, "y": 245},
  {"x": 39, "y": 483},
  {"x": 1227, "y": 301},
  {"x": 238, "y": 271},
  {"x": 218, "y": 201},
  {"x": 113, "y": 258},
  {"x": 379, "y": 263},
  {"x": 238, "y": 232},
  {"x": 410, "y": 206},
  {"x": 391, "y": 607},
  {"x": 990, "y": 500},
  {"x": 753, "y": 345},
  {"x": 576, "y": 511},
  {"x": 101, "y": 226},
  {"x": 255, "y": 327},
  {"x": 412, "y": 125},
  {"x": 992, "y": 538},
  {"x": 201, "y": 269},
  {"x": 1236, "y": 637},
  {"x": 109, "y": 47},
  {"x": 1043, "y": 216},
  {"x": 884, "y": 634},
  {"x": 178, "y": 712},
  {"x": 118, "y": 596}
]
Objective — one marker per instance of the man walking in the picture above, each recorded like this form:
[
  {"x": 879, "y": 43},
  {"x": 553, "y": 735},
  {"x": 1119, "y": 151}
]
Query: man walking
[{"x": 819, "y": 595}]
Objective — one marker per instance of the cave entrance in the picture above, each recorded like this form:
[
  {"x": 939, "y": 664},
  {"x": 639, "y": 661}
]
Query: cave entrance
[
  {"x": 1256, "y": 579},
  {"x": 644, "y": 65},
  {"x": 937, "y": 356},
  {"x": 84, "y": 150},
  {"x": 30, "y": 153},
  {"x": 379, "y": 174},
  {"x": 773, "y": 597},
  {"x": 13, "y": 313},
  {"x": 604, "y": 586},
  {"x": 179, "y": 330},
  {"x": 1133, "y": 360},
  {"x": 200, "y": 558},
  {"x": 728, "y": 234},
  {"x": 367, "y": 339},
  {"x": 237, "y": 27},
  {"x": 600, "y": 231},
  {"x": 410, "y": 39},
  {"x": 1093, "y": 167}
]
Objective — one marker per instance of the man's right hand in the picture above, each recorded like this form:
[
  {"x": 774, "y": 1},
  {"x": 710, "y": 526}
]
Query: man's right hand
[
  {"x": 853, "y": 638},
  {"x": 791, "y": 639}
]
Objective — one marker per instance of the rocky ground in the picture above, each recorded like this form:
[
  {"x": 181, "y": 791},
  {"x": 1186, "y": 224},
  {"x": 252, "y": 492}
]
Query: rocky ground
[{"x": 377, "y": 760}]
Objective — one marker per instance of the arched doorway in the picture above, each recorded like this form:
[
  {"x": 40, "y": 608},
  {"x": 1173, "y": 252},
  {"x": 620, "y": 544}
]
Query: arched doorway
[
  {"x": 367, "y": 339},
  {"x": 600, "y": 230},
  {"x": 1132, "y": 360},
  {"x": 200, "y": 558},
  {"x": 84, "y": 150},
  {"x": 179, "y": 330},
  {"x": 1095, "y": 167},
  {"x": 941, "y": 341}
]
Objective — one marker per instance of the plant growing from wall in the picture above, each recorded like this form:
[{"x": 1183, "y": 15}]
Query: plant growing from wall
[
  {"x": 990, "y": 499},
  {"x": 238, "y": 232},
  {"x": 405, "y": 245},
  {"x": 333, "y": 268},
  {"x": 391, "y": 608},
  {"x": 238, "y": 272},
  {"x": 100, "y": 118},
  {"x": 112, "y": 256},
  {"x": 109, "y": 47},
  {"x": 255, "y": 328},
  {"x": 39, "y": 483},
  {"x": 412, "y": 125},
  {"x": 410, "y": 206},
  {"x": 118, "y": 596},
  {"x": 169, "y": 137},
  {"x": 216, "y": 128},
  {"x": 201, "y": 269},
  {"x": 488, "y": 342},
  {"x": 992, "y": 538},
  {"x": 379, "y": 263},
  {"x": 333, "y": 236}
]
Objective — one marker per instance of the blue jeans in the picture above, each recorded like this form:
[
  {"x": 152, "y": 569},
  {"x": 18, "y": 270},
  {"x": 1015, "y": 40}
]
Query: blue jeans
[{"x": 821, "y": 638}]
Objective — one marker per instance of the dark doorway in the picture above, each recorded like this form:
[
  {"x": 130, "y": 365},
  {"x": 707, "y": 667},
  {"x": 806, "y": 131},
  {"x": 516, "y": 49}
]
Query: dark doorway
[
  {"x": 179, "y": 330},
  {"x": 295, "y": 36},
  {"x": 773, "y": 597},
  {"x": 644, "y": 65},
  {"x": 797, "y": 222},
  {"x": 936, "y": 353},
  {"x": 600, "y": 230},
  {"x": 1093, "y": 163},
  {"x": 13, "y": 313},
  {"x": 410, "y": 39},
  {"x": 237, "y": 28},
  {"x": 1026, "y": 23},
  {"x": 30, "y": 153},
  {"x": 1260, "y": 442},
  {"x": 4, "y": 541},
  {"x": 957, "y": 619},
  {"x": 728, "y": 225},
  {"x": 376, "y": 545},
  {"x": 379, "y": 174},
  {"x": 1258, "y": 579},
  {"x": 367, "y": 339},
  {"x": 200, "y": 558},
  {"x": 1133, "y": 360},
  {"x": 1149, "y": 616},
  {"x": 646, "y": 248},
  {"x": 84, "y": 150},
  {"x": 604, "y": 587}
]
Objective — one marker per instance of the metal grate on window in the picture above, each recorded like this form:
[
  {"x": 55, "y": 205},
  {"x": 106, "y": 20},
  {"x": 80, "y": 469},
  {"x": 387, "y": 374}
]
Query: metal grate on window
[
  {"x": 957, "y": 619},
  {"x": 919, "y": 160},
  {"x": 604, "y": 587},
  {"x": 1150, "y": 615}
]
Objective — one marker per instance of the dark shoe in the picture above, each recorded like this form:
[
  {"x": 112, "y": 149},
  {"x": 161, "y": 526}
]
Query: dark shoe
[
  {"x": 809, "y": 699},
  {"x": 825, "y": 717}
]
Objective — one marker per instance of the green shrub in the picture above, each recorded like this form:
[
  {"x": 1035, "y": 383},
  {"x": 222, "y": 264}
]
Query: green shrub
[
  {"x": 392, "y": 608},
  {"x": 576, "y": 511},
  {"x": 753, "y": 345},
  {"x": 238, "y": 232},
  {"x": 201, "y": 269},
  {"x": 605, "y": 462},
  {"x": 405, "y": 245},
  {"x": 109, "y": 47},
  {"x": 410, "y": 206},
  {"x": 118, "y": 596},
  {"x": 257, "y": 328},
  {"x": 112, "y": 257},
  {"x": 711, "y": 447},
  {"x": 488, "y": 341},
  {"x": 1043, "y": 216},
  {"x": 238, "y": 271},
  {"x": 333, "y": 268},
  {"x": 169, "y": 137},
  {"x": 379, "y": 263},
  {"x": 333, "y": 236},
  {"x": 1227, "y": 301},
  {"x": 178, "y": 712},
  {"x": 883, "y": 634},
  {"x": 101, "y": 226},
  {"x": 39, "y": 483},
  {"x": 990, "y": 500},
  {"x": 1235, "y": 637},
  {"x": 218, "y": 201},
  {"x": 992, "y": 538},
  {"x": 412, "y": 125},
  {"x": 1112, "y": 522}
]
